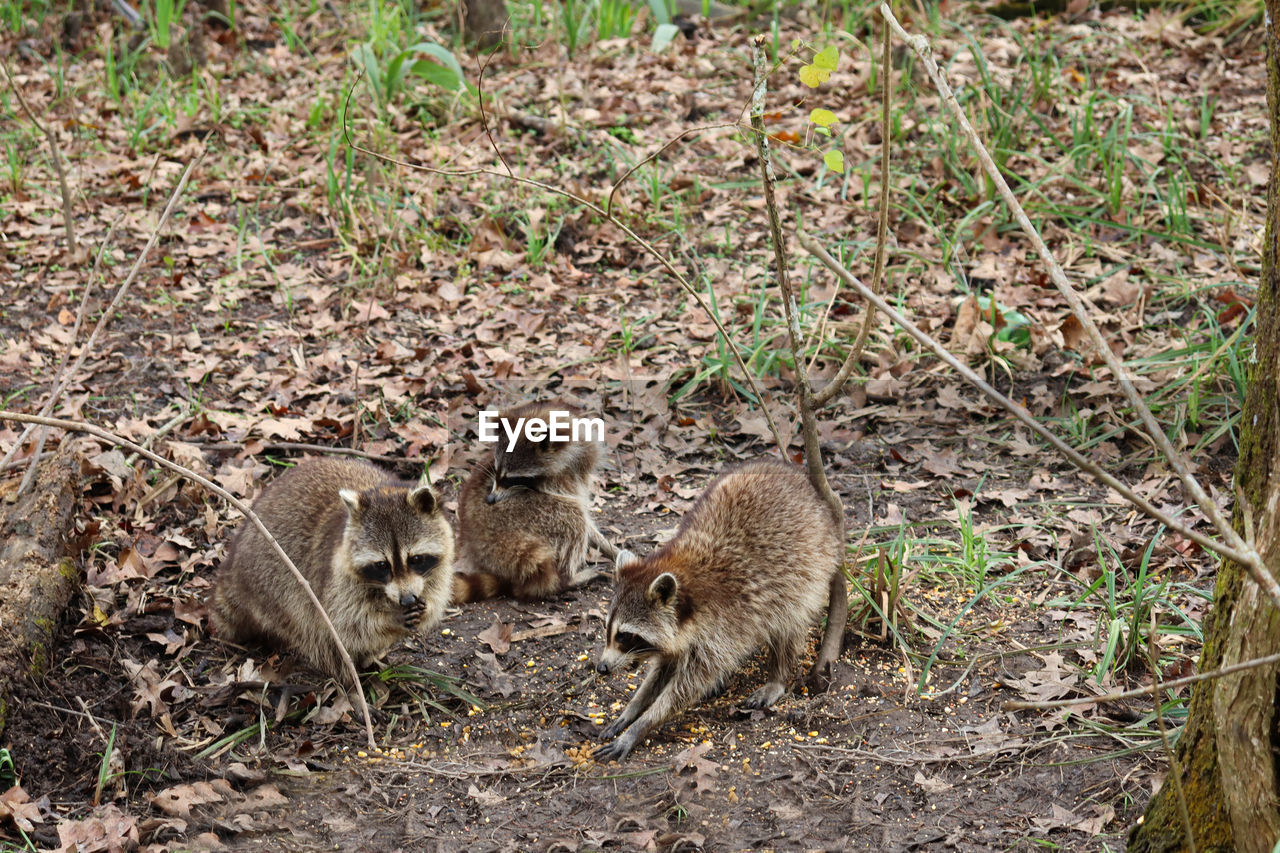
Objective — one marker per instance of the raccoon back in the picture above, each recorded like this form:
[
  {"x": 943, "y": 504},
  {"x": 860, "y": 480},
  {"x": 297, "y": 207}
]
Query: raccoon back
[{"x": 758, "y": 544}]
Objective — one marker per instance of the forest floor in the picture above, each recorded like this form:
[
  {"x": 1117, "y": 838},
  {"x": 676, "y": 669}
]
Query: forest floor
[{"x": 305, "y": 296}]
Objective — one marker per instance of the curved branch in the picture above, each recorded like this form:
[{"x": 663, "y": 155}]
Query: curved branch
[
  {"x": 249, "y": 514},
  {"x": 1246, "y": 556},
  {"x": 648, "y": 247},
  {"x": 920, "y": 45}
]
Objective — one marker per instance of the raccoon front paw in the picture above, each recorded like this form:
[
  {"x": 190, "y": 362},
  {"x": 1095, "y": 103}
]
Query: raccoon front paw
[
  {"x": 615, "y": 751},
  {"x": 765, "y": 697},
  {"x": 413, "y": 614},
  {"x": 615, "y": 728}
]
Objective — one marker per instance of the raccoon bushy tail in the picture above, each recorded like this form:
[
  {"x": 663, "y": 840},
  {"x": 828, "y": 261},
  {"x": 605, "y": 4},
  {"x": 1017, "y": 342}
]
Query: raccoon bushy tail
[{"x": 478, "y": 586}]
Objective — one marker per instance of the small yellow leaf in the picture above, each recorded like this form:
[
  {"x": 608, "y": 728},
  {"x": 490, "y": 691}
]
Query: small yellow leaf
[
  {"x": 834, "y": 161},
  {"x": 827, "y": 58},
  {"x": 813, "y": 76},
  {"x": 822, "y": 118}
]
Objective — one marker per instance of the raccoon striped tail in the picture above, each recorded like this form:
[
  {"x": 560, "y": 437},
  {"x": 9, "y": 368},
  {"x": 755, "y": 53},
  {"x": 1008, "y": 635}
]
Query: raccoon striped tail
[{"x": 478, "y": 586}]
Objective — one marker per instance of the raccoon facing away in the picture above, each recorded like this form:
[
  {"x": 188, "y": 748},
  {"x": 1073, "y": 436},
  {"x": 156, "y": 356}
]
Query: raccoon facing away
[
  {"x": 752, "y": 564},
  {"x": 524, "y": 522},
  {"x": 376, "y": 551}
]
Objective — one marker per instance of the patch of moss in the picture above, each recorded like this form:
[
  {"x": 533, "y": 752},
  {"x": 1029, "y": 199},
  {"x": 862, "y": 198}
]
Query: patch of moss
[{"x": 39, "y": 660}]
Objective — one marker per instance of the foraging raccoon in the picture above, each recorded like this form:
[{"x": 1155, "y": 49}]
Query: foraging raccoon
[
  {"x": 751, "y": 564},
  {"x": 524, "y": 521},
  {"x": 377, "y": 553}
]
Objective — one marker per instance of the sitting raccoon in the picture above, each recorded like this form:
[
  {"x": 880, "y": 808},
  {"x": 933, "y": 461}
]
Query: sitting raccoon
[
  {"x": 524, "y": 523},
  {"x": 376, "y": 551},
  {"x": 751, "y": 565}
]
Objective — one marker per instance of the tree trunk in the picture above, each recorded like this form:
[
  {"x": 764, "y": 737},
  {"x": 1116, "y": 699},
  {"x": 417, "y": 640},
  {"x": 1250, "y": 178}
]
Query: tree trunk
[
  {"x": 1227, "y": 753},
  {"x": 483, "y": 22}
]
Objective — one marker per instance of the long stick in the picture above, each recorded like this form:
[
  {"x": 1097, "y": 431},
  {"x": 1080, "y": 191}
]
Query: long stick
[
  {"x": 1245, "y": 556},
  {"x": 107, "y": 314},
  {"x": 1257, "y": 571},
  {"x": 98, "y": 432},
  {"x": 644, "y": 244},
  {"x": 838, "y": 595}
]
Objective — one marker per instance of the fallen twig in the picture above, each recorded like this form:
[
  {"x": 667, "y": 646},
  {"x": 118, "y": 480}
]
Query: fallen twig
[{"x": 98, "y": 432}]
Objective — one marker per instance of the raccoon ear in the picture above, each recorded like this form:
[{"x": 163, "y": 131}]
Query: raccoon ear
[
  {"x": 663, "y": 589},
  {"x": 351, "y": 498},
  {"x": 624, "y": 559},
  {"x": 422, "y": 498}
]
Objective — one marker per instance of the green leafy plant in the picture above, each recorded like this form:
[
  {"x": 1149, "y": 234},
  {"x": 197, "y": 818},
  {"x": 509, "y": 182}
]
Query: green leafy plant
[
  {"x": 388, "y": 75},
  {"x": 821, "y": 119},
  {"x": 165, "y": 14},
  {"x": 8, "y": 773}
]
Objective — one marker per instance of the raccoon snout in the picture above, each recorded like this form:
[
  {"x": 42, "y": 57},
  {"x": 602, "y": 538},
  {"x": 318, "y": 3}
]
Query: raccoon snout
[
  {"x": 602, "y": 667},
  {"x": 408, "y": 599},
  {"x": 491, "y": 498}
]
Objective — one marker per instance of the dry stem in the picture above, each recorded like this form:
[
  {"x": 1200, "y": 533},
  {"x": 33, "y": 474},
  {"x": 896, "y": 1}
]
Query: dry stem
[
  {"x": 1019, "y": 411},
  {"x": 1247, "y": 555},
  {"x": 67, "y": 218},
  {"x": 249, "y": 514},
  {"x": 107, "y": 314}
]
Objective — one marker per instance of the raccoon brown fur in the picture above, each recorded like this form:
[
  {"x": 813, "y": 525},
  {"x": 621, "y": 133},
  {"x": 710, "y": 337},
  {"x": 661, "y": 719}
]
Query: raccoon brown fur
[
  {"x": 524, "y": 522},
  {"x": 752, "y": 564},
  {"x": 377, "y": 552}
]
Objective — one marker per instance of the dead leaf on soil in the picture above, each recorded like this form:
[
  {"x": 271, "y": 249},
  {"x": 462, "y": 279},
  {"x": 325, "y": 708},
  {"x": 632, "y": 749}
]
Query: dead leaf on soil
[
  {"x": 16, "y": 805},
  {"x": 107, "y": 830},
  {"x": 497, "y": 636},
  {"x": 692, "y": 763},
  {"x": 485, "y": 798}
]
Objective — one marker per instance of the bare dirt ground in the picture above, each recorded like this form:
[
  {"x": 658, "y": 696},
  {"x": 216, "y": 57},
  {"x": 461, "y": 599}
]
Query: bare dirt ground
[{"x": 279, "y": 311}]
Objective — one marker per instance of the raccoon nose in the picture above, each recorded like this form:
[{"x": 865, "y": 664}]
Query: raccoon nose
[
  {"x": 491, "y": 498},
  {"x": 408, "y": 599},
  {"x": 602, "y": 667}
]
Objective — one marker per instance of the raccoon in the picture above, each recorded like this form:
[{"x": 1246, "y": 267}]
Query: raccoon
[
  {"x": 751, "y": 565},
  {"x": 524, "y": 523},
  {"x": 377, "y": 552}
]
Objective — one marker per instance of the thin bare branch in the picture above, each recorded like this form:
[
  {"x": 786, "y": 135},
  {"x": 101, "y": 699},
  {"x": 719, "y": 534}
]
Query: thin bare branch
[
  {"x": 1083, "y": 312},
  {"x": 66, "y": 357},
  {"x": 109, "y": 311},
  {"x": 67, "y": 219},
  {"x": 821, "y": 398},
  {"x": 1141, "y": 692},
  {"x": 249, "y": 514},
  {"x": 838, "y": 603},
  {"x": 613, "y": 191},
  {"x": 1244, "y": 557},
  {"x": 644, "y": 244}
]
